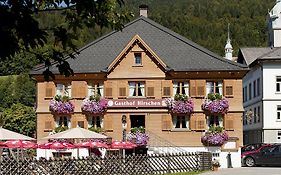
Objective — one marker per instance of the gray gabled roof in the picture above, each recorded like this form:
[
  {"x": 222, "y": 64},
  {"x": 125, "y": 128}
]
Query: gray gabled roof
[
  {"x": 252, "y": 54},
  {"x": 177, "y": 52}
]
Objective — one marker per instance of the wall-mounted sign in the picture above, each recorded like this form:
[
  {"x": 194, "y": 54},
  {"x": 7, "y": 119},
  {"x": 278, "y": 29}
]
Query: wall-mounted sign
[{"x": 136, "y": 103}]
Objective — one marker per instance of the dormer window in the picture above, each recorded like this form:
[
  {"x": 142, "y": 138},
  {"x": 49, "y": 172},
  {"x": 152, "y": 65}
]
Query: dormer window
[{"x": 138, "y": 59}]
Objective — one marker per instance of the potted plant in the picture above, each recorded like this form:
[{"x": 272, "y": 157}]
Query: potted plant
[
  {"x": 94, "y": 105},
  {"x": 61, "y": 105},
  {"x": 215, "y": 104},
  {"x": 216, "y": 136},
  {"x": 138, "y": 136},
  {"x": 60, "y": 129},
  {"x": 215, "y": 165},
  {"x": 180, "y": 104},
  {"x": 97, "y": 130}
]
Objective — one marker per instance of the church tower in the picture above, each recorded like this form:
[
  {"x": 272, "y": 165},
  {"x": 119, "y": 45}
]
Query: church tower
[
  {"x": 228, "y": 47},
  {"x": 275, "y": 25}
]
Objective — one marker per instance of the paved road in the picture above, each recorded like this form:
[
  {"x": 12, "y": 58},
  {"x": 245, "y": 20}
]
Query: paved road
[{"x": 247, "y": 171}]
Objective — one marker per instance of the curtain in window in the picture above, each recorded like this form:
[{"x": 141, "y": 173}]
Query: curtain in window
[
  {"x": 175, "y": 87},
  {"x": 90, "y": 90},
  {"x": 209, "y": 87},
  {"x": 68, "y": 122},
  {"x": 101, "y": 89},
  {"x": 90, "y": 121},
  {"x": 174, "y": 121},
  {"x": 186, "y": 121},
  {"x": 220, "y": 87},
  {"x": 220, "y": 118},
  {"x": 59, "y": 89},
  {"x": 208, "y": 121},
  {"x": 142, "y": 89},
  {"x": 132, "y": 88},
  {"x": 57, "y": 121},
  {"x": 186, "y": 88},
  {"x": 101, "y": 121}
]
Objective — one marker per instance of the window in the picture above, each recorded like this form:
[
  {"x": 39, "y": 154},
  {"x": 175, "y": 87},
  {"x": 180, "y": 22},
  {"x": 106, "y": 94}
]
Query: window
[
  {"x": 255, "y": 89},
  {"x": 95, "y": 122},
  {"x": 63, "y": 89},
  {"x": 138, "y": 60},
  {"x": 278, "y": 84},
  {"x": 278, "y": 136},
  {"x": 259, "y": 114},
  {"x": 63, "y": 121},
  {"x": 279, "y": 112},
  {"x": 250, "y": 91},
  {"x": 214, "y": 87},
  {"x": 246, "y": 93},
  {"x": 136, "y": 89},
  {"x": 181, "y": 88},
  {"x": 95, "y": 88},
  {"x": 214, "y": 120},
  {"x": 258, "y": 87},
  {"x": 243, "y": 94},
  {"x": 80, "y": 124},
  {"x": 181, "y": 122},
  {"x": 255, "y": 115}
]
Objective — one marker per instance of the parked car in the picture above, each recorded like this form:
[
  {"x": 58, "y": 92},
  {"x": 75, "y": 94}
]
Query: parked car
[
  {"x": 251, "y": 147},
  {"x": 265, "y": 155}
]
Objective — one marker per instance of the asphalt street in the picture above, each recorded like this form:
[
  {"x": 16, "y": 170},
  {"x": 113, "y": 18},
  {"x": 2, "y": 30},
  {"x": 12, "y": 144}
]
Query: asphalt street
[{"x": 247, "y": 171}]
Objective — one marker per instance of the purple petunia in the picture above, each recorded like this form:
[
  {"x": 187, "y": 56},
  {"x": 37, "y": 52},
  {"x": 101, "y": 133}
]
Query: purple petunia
[
  {"x": 214, "y": 138},
  {"x": 61, "y": 107},
  {"x": 140, "y": 138},
  {"x": 179, "y": 106},
  {"x": 216, "y": 106},
  {"x": 93, "y": 106}
]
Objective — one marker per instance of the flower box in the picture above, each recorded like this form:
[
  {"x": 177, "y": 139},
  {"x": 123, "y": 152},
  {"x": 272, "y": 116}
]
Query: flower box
[
  {"x": 94, "y": 105},
  {"x": 215, "y": 104},
  {"x": 61, "y": 105},
  {"x": 214, "y": 138},
  {"x": 138, "y": 137},
  {"x": 181, "y": 104}
]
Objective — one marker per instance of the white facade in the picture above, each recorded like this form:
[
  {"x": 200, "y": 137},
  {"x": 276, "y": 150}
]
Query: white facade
[{"x": 263, "y": 125}]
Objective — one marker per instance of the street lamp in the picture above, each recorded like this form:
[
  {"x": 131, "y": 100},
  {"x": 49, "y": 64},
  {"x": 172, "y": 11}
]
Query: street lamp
[{"x": 124, "y": 127}]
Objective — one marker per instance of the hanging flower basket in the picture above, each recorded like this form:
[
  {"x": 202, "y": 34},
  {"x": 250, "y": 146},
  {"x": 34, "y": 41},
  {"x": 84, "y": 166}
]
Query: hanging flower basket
[
  {"x": 138, "y": 137},
  {"x": 94, "y": 105},
  {"x": 216, "y": 136},
  {"x": 181, "y": 104},
  {"x": 61, "y": 105},
  {"x": 215, "y": 104}
]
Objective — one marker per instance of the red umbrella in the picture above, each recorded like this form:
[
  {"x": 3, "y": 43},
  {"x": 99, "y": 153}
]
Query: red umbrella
[
  {"x": 2, "y": 145},
  {"x": 122, "y": 145},
  {"x": 56, "y": 145},
  {"x": 19, "y": 144},
  {"x": 91, "y": 144}
]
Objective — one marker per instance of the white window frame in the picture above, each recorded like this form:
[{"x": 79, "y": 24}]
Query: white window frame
[
  {"x": 63, "y": 89},
  {"x": 212, "y": 86},
  {"x": 95, "y": 88},
  {"x": 61, "y": 118},
  {"x": 93, "y": 121},
  {"x": 278, "y": 84},
  {"x": 278, "y": 113},
  {"x": 220, "y": 120},
  {"x": 134, "y": 88},
  {"x": 175, "y": 121},
  {"x": 178, "y": 87},
  {"x": 138, "y": 58}
]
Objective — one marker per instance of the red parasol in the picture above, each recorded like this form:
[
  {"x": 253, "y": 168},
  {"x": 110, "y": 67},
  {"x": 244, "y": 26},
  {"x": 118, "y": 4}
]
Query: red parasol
[
  {"x": 19, "y": 144},
  {"x": 91, "y": 144},
  {"x": 122, "y": 145},
  {"x": 2, "y": 145},
  {"x": 56, "y": 145}
]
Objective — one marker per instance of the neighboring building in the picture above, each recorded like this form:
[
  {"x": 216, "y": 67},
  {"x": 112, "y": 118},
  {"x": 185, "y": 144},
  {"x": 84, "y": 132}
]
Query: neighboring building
[
  {"x": 262, "y": 86},
  {"x": 136, "y": 69}
]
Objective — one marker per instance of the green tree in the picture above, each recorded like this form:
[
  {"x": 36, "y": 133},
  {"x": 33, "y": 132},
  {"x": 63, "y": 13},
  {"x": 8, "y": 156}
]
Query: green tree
[
  {"x": 20, "y": 31},
  {"x": 20, "y": 118}
]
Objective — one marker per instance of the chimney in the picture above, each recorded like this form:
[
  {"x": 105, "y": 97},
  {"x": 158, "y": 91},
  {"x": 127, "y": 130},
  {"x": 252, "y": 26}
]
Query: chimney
[{"x": 143, "y": 10}]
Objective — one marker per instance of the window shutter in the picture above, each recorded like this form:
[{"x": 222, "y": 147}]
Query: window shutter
[
  {"x": 107, "y": 123},
  {"x": 150, "y": 88},
  {"x": 50, "y": 89},
  {"x": 79, "y": 89},
  {"x": 228, "y": 88},
  {"x": 228, "y": 122},
  {"x": 48, "y": 125},
  {"x": 122, "y": 86},
  {"x": 108, "y": 89},
  {"x": 166, "y": 88},
  {"x": 200, "y": 123},
  {"x": 192, "y": 88},
  {"x": 201, "y": 88},
  {"x": 192, "y": 122},
  {"x": 166, "y": 122}
]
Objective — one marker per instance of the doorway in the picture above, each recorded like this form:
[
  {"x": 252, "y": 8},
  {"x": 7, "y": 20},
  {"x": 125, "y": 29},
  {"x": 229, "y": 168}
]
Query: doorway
[{"x": 137, "y": 121}]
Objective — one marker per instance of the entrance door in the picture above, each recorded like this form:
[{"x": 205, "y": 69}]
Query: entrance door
[{"x": 137, "y": 121}]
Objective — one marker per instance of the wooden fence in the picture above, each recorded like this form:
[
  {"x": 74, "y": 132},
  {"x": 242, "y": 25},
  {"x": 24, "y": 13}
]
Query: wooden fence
[{"x": 111, "y": 165}]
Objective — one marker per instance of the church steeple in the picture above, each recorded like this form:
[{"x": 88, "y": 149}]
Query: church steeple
[
  {"x": 275, "y": 25},
  {"x": 228, "y": 47}
]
